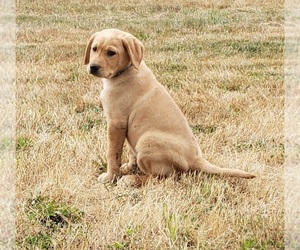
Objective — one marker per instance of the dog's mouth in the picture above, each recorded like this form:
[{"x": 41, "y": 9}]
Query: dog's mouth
[
  {"x": 95, "y": 74},
  {"x": 94, "y": 69}
]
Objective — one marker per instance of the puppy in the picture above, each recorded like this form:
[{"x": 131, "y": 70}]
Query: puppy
[{"x": 139, "y": 110}]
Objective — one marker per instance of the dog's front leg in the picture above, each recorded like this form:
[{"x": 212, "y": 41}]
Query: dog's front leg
[{"x": 116, "y": 133}]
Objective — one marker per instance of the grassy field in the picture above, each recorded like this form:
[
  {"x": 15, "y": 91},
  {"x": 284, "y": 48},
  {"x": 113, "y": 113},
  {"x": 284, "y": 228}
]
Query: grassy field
[{"x": 222, "y": 61}]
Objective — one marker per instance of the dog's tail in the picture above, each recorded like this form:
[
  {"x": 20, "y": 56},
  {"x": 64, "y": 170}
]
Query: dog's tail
[{"x": 203, "y": 165}]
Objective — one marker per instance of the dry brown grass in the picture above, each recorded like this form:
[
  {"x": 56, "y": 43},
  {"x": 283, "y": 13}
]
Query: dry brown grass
[{"x": 223, "y": 64}]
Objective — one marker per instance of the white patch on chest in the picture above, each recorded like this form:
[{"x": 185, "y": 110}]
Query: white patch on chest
[
  {"x": 105, "y": 88},
  {"x": 105, "y": 83},
  {"x": 104, "y": 95}
]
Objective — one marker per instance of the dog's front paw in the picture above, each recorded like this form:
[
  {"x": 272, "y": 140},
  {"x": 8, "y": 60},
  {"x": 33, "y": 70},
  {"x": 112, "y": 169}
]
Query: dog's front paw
[{"x": 105, "y": 177}]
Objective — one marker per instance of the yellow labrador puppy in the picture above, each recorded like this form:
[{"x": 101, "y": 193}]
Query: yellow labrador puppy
[{"x": 139, "y": 109}]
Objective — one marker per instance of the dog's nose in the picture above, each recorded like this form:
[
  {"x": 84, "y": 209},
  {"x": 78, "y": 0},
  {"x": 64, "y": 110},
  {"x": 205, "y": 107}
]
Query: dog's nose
[{"x": 94, "y": 68}]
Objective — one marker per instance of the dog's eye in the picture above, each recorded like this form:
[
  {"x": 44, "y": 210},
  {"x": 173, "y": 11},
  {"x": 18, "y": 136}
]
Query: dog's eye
[
  {"x": 111, "y": 53},
  {"x": 95, "y": 48}
]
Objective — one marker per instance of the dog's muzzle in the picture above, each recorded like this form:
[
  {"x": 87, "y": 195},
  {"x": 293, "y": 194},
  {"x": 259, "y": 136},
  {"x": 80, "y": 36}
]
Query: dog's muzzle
[{"x": 94, "y": 69}]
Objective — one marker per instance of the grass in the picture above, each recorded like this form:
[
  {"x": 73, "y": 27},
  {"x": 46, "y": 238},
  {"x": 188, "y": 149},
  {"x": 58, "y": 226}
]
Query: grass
[
  {"x": 47, "y": 217},
  {"x": 222, "y": 63}
]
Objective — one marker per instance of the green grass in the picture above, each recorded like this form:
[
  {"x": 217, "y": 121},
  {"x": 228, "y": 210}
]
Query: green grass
[
  {"x": 23, "y": 142},
  {"x": 251, "y": 244},
  {"x": 47, "y": 217}
]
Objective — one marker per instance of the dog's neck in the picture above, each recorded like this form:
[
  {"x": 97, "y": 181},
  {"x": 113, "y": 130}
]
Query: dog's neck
[{"x": 122, "y": 71}]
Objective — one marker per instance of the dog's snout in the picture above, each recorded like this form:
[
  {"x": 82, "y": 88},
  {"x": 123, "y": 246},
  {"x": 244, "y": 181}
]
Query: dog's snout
[{"x": 94, "y": 68}]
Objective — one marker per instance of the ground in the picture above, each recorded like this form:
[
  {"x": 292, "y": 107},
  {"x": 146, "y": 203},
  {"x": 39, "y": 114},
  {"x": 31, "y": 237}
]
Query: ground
[{"x": 222, "y": 62}]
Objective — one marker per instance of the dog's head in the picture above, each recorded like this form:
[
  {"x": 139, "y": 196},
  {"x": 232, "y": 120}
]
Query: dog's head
[{"x": 111, "y": 51}]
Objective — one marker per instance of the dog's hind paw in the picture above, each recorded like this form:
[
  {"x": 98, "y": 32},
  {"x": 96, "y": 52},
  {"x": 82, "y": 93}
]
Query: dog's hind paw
[
  {"x": 132, "y": 180},
  {"x": 128, "y": 181},
  {"x": 126, "y": 168}
]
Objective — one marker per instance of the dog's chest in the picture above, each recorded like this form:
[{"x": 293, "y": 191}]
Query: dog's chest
[
  {"x": 105, "y": 91},
  {"x": 112, "y": 99},
  {"x": 104, "y": 94}
]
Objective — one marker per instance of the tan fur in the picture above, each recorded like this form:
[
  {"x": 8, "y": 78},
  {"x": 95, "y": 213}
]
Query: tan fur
[{"x": 139, "y": 109}]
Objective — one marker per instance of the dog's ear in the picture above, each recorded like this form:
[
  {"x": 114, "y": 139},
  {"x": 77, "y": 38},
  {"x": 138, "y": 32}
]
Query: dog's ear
[
  {"x": 135, "y": 50},
  {"x": 88, "y": 50}
]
